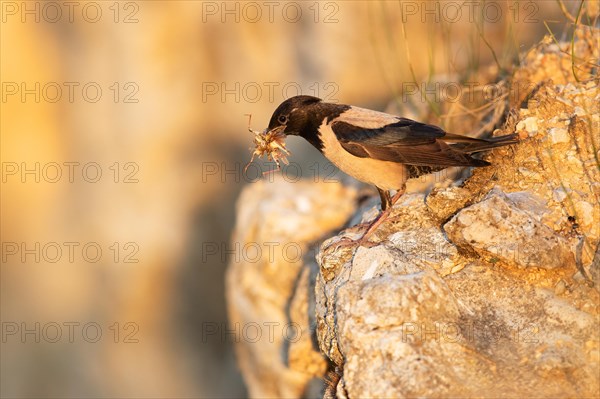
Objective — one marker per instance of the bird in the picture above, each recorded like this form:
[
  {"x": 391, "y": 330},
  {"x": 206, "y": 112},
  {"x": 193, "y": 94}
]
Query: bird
[{"x": 377, "y": 148}]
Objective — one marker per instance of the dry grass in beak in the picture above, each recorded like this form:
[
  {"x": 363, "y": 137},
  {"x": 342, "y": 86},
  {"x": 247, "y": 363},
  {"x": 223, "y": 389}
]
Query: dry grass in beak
[{"x": 270, "y": 143}]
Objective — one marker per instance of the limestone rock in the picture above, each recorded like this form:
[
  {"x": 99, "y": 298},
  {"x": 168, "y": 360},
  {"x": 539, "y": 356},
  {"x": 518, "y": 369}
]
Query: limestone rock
[
  {"x": 477, "y": 289},
  {"x": 385, "y": 320},
  {"x": 269, "y": 285},
  {"x": 498, "y": 228}
]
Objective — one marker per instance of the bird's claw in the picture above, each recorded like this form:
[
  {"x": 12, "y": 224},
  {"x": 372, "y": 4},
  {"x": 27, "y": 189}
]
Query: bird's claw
[{"x": 346, "y": 242}]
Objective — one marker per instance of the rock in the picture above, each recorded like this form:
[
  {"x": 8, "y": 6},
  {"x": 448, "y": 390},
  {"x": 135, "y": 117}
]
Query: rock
[
  {"x": 529, "y": 125},
  {"x": 444, "y": 203},
  {"x": 558, "y": 135},
  {"x": 560, "y": 287},
  {"x": 269, "y": 295},
  {"x": 301, "y": 351},
  {"x": 492, "y": 304},
  {"x": 404, "y": 332},
  {"x": 401, "y": 319},
  {"x": 587, "y": 213},
  {"x": 559, "y": 194},
  {"x": 496, "y": 228},
  {"x": 595, "y": 267}
]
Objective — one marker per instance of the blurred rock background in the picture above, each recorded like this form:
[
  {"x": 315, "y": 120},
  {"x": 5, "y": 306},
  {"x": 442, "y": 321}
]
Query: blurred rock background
[{"x": 168, "y": 132}]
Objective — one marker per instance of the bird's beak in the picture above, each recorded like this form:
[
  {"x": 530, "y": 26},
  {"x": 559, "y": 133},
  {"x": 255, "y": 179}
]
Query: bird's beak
[{"x": 278, "y": 131}]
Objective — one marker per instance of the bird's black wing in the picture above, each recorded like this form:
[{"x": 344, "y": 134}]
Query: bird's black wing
[{"x": 400, "y": 140}]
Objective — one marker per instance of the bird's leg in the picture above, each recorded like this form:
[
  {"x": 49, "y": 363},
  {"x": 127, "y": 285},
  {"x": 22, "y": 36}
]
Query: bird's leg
[
  {"x": 387, "y": 202},
  {"x": 386, "y": 208},
  {"x": 398, "y": 194},
  {"x": 385, "y": 199}
]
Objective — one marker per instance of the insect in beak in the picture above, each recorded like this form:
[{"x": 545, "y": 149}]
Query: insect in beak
[{"x": 270, "y": 143}]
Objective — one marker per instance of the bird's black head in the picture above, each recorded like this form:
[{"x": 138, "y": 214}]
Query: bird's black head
[
  {"x": 302, "y": 116},
  {"x": 293, "y": 113}
]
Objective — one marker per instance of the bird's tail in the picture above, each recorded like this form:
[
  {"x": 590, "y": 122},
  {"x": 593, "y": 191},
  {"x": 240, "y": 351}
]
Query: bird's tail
[{"x": 471, "y": 145}]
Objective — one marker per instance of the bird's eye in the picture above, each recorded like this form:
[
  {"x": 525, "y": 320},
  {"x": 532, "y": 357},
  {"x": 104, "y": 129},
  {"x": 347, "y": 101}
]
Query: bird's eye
[{"x": 282, "y": 119}]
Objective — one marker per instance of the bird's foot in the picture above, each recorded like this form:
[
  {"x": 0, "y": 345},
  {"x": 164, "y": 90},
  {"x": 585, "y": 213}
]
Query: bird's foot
[
  {"x": 371, "y": 226},
  {"x": 363, "y": 231},
  {"x": 346, "y": 242},
  {"x": 364, "y": 242}
]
